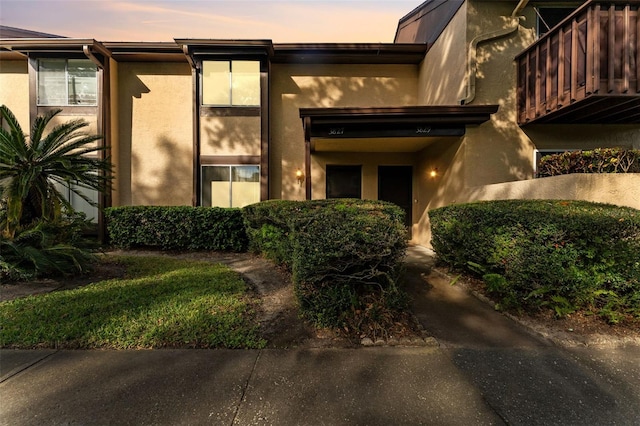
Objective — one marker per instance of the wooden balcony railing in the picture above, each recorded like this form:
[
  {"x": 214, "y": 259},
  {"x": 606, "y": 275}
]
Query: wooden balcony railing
[{"x": 585, "y": 70}]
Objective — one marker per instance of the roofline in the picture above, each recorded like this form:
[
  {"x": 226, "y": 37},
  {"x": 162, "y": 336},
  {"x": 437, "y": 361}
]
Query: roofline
[
  {"x": 403, "y": 111},
  {"x": 52, "y": 44},
  {"x": 376, "y": 53}
]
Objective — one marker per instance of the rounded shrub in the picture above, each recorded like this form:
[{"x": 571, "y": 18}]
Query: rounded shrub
[
  {"x": 564, "y": 255},
  {"x": 345, "y": 255}
]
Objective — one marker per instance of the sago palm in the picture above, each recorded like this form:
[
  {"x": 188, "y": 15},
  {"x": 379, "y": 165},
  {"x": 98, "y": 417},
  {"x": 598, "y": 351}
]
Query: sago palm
[{"x": 31, "y": 167}]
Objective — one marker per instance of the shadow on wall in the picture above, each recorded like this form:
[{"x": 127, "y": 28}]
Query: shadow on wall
[
  {"x": 325, "y": 86},
  {"x": 134, "y": 89},
  {"x": 160, "y": 178},
  {"x": 155, "y": 135},
  {"x": 230, "y": 136}
]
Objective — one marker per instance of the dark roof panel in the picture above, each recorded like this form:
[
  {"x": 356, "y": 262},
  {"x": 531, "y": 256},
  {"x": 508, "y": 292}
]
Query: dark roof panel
[
  {"x": 425, "y": 23},
  {"x": 13, "y": 32}
]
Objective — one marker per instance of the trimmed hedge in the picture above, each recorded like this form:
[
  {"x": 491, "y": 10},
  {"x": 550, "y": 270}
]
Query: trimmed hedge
[
  {"x": 565, "y": 255},
  {"x": 601, "y": 160},
  {"x": 177, "y": 228},
  {"x": 345, "y": 255}
]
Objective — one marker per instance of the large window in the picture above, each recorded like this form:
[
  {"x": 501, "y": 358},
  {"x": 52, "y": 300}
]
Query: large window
[
  {"x": 231, "y": 83},
  {"x": 63, "y": 82},
  {"x": 230, "y": 186},
  {"x": 78, "y": 203}
]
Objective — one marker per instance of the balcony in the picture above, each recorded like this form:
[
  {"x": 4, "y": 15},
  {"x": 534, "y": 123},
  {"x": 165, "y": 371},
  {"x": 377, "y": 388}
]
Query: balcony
[{"x": 585, "y": 70}]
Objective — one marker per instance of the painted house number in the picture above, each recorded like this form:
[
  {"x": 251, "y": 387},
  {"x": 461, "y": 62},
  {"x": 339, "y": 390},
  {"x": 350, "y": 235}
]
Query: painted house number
[
  {"x": 336, "y": 131},
  {"x": 422, "y": 130}
]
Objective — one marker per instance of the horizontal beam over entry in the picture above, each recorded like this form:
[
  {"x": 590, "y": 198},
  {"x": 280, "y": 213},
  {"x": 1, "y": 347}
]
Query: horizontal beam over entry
[
  {"x": 412, "y": 121},
  {"x": 377, "y": 130}
]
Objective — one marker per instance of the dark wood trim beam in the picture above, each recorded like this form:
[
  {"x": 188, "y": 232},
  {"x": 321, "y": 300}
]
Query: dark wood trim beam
[
  {"x": 230, "y": 160},
  {"x": 307, "y": 157},
  {"x": 237, "y": 111},
  {"x": 265, "y": 131}
]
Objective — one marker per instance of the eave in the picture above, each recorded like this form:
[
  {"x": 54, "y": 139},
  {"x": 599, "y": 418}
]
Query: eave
[{"x": 349, "y": 53}]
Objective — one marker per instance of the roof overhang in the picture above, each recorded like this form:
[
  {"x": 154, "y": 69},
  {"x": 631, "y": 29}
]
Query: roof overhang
[
  {"x": 342, "y": 129},
  {"x": 11, "y": 49},
  {"x": 145, "y": 51},
  {"x": 226, "y": 47}
]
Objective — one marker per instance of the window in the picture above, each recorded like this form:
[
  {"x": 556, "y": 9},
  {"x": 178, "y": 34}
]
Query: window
[
  {"x": 78, "y": 203},
  {"x": 230, "y": 186},
  {"x": 63, "y": 82},
  {"x": 231, "y": 83},
  {"x": 549, "y": 17},
  {"x": 344, "y": 181}
]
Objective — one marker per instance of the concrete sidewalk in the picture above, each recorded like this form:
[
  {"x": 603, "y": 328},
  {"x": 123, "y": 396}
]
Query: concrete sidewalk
[{"x": 369, "y": 386}]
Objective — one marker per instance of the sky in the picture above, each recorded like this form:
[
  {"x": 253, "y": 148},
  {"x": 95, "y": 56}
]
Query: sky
[{"x": 283, "y": 21}]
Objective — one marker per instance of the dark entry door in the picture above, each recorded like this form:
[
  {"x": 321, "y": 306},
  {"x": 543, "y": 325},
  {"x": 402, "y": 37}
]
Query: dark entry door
[{"x": 395, "y": 185}]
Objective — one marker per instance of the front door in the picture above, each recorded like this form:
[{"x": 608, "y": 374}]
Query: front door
[{"x": 395, "y": 185}]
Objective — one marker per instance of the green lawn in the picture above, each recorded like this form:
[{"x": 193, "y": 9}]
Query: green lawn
[{"x": 162, "y": 302}]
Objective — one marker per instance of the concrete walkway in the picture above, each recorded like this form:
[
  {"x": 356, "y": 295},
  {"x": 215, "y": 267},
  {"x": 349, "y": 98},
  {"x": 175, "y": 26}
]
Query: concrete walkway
[{"x": 486, "y": 371}]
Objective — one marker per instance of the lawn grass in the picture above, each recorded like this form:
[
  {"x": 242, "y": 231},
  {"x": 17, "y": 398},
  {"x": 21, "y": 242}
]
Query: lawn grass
[{"x": 161, "y": 303}]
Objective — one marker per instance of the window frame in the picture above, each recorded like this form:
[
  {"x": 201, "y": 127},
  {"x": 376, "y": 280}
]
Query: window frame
[
  {"x": 231, "y": 105},
  {"x": 230, "y": 181},
  {"x": 66, "y": 60}
]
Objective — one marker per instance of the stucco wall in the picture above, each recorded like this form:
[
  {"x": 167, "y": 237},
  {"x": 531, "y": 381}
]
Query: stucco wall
[
  {"x": 230, "y": 136},
  {"x": 497, "y": 151},
  {"x": 442, "y": 72},
  {"x": 155, "y": 136},
  {"x": 14, "y": 90},
  {"x": 303, "y": 86}
]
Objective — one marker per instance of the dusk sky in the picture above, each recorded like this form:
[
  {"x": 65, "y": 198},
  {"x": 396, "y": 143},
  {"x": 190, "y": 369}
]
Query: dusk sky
[{"x": 162, "y": 20}]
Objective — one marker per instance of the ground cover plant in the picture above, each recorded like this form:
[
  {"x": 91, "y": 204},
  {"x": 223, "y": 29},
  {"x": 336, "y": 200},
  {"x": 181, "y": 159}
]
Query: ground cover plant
[
  {"x": 345, "y": 257},
  {"x": 566, "y": 256},
  {"x": 40, "y": 233},
  {"x": 160, "y": 303}
]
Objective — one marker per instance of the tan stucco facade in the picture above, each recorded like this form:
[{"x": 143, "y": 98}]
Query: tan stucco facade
[
  {"x": 14, "y": 89},
  {"x": 156, "y": 143},
  {"x": 155, "y": 134},
  {"x": 230, "y": 136},
  {"x": 498, "y": 151},
  {"x": 318, "y": 85}
]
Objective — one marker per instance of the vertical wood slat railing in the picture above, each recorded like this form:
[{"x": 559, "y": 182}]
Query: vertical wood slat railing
[{"x": 595, "y": 51}]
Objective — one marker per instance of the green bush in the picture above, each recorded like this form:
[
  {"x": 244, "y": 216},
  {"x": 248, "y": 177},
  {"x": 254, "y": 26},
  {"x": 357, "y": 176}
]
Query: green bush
[
  {"x": 345, "y": 255},
  {"x": 564, "y": 255},
  {"x": 601, "y": 160},
  {"x": 176, "y": 228}
]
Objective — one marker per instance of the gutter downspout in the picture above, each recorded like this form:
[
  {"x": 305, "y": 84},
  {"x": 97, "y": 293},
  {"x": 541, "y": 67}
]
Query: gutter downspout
[
  {"x": 195, "y": 98},
  {"x": 89, "y": 54},
  {"x": 472, "y": 61}
]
